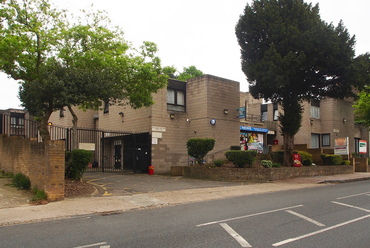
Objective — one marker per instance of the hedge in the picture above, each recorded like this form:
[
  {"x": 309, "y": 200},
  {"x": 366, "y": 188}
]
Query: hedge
[{"x": 241, "y": 159}]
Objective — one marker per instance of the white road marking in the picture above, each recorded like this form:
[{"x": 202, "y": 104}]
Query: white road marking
[
  {"x": 305, "y": 218},
  {"x": 319, "y": 231},
  {"x": 351, "y": 206},
  {"x": 92, "y": 245},
  {"x": 344, "y": 197},
  {"x": 247, "y": 216},
  {"x": 235, "y": 235},
  {"x": 105, "y": 246}
]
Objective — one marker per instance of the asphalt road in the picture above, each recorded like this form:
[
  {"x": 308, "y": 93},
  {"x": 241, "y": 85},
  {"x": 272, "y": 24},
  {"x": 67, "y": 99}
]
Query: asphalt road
[{"x": 332, "y": 216}]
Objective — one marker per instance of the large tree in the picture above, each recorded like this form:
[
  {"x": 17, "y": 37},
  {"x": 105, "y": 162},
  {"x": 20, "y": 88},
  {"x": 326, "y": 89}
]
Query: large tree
[
  {"x": 290, "y": 55},
  {"x": 73, "y": 63}
]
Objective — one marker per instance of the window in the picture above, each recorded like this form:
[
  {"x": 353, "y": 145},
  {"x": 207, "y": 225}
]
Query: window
[
  {"x": 326, "y": 139},
  {"x": 264, "y": 113},
  {"x": 276, "y": 112},
  {"x": 61, "y": 113},
  {"x": 315, "y": 140},
  {"x": 106, "y": 107},
  {"x": 315, "y": 109},
  {"x": 357, "y": 145},
  {"x": 175, "y": 100}
]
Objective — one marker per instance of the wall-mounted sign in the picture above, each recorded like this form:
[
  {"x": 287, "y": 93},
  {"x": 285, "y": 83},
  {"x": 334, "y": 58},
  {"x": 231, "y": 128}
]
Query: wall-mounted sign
[
  {"x": 362, "y": 148},
  {"x": 87, "y": 146},
  {"x": 154, "y": 141},
  {"x": 254, "y": 129},
  {"x": 158, "y": 129},
  {"x": 241, "y": 112}
]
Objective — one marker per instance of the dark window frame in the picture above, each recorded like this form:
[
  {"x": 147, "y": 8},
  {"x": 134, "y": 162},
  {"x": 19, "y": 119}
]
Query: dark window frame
[
  {"x": 106, "y": 107},
  {"x": 322, "y": 140}
]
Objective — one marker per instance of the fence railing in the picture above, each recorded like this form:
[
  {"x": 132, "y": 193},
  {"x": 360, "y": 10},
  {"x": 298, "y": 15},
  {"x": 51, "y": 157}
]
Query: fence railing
[{"x": 16, "y": 126}]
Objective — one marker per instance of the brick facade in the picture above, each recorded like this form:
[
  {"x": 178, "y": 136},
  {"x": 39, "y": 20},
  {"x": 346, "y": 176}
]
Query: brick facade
[{"x": 42, "y": 162}]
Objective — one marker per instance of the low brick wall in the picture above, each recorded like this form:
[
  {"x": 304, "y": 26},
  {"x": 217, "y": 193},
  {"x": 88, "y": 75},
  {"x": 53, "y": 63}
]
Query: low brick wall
[
  {"x": 42, "y": 162},
  {"x": 263, "y": 174}
]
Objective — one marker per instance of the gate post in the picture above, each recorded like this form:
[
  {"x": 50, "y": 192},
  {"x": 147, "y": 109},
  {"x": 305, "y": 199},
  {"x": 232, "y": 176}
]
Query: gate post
[{"x": 102, "y": 152}]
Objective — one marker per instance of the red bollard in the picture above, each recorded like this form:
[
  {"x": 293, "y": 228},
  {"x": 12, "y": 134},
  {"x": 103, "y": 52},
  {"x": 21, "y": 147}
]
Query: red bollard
[{"x": 151, "y": 170}]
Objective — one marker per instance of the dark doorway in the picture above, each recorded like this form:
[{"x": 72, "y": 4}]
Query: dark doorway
[{"x": 117, "y": 156}]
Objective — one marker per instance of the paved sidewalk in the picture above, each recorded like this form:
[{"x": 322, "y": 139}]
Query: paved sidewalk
[{"x": 75, "y": 207}]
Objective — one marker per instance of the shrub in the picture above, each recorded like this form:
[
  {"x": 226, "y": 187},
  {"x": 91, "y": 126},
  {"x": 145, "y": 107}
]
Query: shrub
[
  {"x": 21, "y": 181},
  {"x": 219, "y": 162},
  {"x": 306, "y": 158},
  {"x": 80, "y": 160},
  {"x": 235, "y": 148},
  {"x": 323, "y": 158},
  {"x": 241, "y": 158},
  {"x": 199, "y": 147},
  {"x": 276, "y": 165},
  {"x": 346, "y": 162},
  {"x": 6, "y": 174},
  {"x": 277, "y": 157},
  {"x": 266, "y": 163},
  {"x": 331, "y": 159},
  {"x": 38, "y": 195}
]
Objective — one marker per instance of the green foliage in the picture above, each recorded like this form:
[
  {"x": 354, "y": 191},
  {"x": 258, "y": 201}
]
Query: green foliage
[
  {"x": 6, "y": 174},
  {"x": 199, "y": 147},
  {"x": 73, "y": 63},
  {"x": 80, "y": 160},
  {"x": 290, "y": 55},
  {"x": 21, "y": 181},
  {"x": 38, "y": 195},
  {"x": 235, "y": 148},
  {"x": 241, "y": 159},
  {"x": 331, "y": 159},
  {"x": 276, "y": 165},
  {"x": 277, "y": 157},
  {"x": 362, "y": 108},
  {"x": 266, "y": 163},
  {"x": 346, "y": 162},
  {"x": 188, "y": 72},
  {"x": 306, "y": 158},
  {"x": 219, "y": 162}
]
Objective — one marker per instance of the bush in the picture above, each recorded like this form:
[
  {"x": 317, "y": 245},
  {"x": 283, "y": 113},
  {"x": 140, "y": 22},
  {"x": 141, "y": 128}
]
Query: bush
[
  {"x": 199, "y": 147},
  {"x": 21, "y": 181},
  {"x": 235, "y": 148},
  {"x": 6, "y": 174},
  {"x": 306, "y": 158},
  {"x": 38, "y": 195},
  {"x": 331, "y": 159},
  {"x": 241, "y": 159},
  {"x": 277, "y": 157},
  {"x": 323, "y": 158},
  {"x": 346, "y": 162},
  {"x": 219, "y": 162},
  {"x": 276, "y": 165},
  {"x": 80, "y": 160},
  {"x": 266, "y": 163}
]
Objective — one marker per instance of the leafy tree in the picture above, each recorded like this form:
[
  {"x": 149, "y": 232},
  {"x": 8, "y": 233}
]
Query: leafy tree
[
  {"x": 199, "y": 147},
  {"x": 188, "y": 72},
  {"x": 362, "y": 108},
  {"x": 290, "y": 55},
  {"x": 79, "y": 64}
]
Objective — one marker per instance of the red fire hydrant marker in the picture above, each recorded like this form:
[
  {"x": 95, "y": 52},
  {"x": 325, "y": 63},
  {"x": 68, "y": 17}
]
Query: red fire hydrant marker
[{"x": 151, "y": 170}]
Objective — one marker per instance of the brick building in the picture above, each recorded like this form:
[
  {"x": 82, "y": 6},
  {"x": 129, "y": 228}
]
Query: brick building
[
  {"x": 213, "y": 107},
  {"x": 322, "y": 122}
]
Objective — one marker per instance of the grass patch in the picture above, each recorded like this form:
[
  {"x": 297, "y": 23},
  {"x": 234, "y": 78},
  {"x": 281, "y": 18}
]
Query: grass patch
[
  {"x": 38, "y": 195},
  {"x": 4, "y": 174}
]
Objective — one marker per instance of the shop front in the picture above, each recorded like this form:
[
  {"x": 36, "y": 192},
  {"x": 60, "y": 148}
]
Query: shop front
[{"x": 253, "y": 138}]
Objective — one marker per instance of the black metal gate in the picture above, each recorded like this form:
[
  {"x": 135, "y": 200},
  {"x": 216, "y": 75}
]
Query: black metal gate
[{"x": 113, "y": 151}]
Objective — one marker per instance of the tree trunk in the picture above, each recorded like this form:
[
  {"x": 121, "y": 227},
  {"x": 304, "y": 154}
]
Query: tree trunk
[
  {"x": 43, "y": 126},
  {"x": 74, "y": 142},
  {"x": 288, "y": 149}
]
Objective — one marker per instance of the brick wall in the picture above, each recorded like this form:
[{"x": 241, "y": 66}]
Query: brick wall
[
  {"x": 42, "y": 162},
  {"x": 264, "y": 174}
]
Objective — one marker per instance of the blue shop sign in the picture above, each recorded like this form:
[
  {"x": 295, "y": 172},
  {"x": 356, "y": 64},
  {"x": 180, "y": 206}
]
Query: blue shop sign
[{"x": 254, "y": 129}]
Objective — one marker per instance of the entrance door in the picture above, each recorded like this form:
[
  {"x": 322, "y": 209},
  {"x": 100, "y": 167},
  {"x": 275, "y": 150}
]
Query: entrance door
[{"x": 117, "y": 156}]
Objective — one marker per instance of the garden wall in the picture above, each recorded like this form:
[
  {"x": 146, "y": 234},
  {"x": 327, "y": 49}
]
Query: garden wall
[
  {"x": 42, "y": 162},
  {"x": 264, "y": 174}
]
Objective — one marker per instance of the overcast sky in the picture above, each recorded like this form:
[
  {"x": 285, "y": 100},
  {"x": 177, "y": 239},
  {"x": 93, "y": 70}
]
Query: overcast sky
[{"x": 197, "y": 32}]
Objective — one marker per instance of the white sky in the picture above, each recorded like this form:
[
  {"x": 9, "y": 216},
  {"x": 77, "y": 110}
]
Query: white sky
[{"x": 197, "y": 32}]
